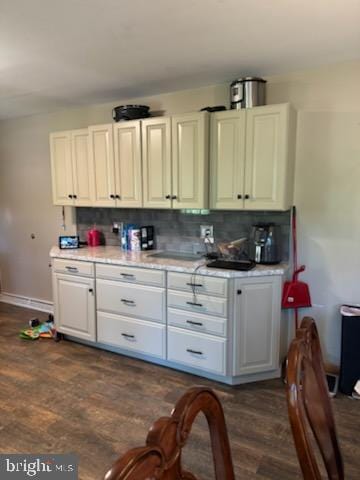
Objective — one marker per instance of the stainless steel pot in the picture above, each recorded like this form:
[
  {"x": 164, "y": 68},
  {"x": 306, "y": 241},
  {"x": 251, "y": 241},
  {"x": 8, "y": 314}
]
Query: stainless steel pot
[{"x": 247, "y": 92}]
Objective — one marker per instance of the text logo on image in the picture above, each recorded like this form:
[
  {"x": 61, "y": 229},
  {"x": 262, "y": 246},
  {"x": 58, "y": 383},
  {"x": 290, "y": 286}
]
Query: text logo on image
[{"x": 38, "y": 467}]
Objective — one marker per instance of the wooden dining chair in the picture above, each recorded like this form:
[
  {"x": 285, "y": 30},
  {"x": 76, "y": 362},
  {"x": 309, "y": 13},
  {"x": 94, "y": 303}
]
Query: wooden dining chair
[
  {"x": 160, "y": 459},
  {"x": 309, "y": 405}
]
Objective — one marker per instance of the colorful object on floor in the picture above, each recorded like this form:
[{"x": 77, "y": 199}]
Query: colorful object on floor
[
  {"x": 296, "y": 294},
  {"x": 43, "y": 330}
]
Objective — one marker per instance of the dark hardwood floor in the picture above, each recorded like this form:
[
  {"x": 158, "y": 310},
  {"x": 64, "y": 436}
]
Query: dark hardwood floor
[{"x": 65, "y": 397}]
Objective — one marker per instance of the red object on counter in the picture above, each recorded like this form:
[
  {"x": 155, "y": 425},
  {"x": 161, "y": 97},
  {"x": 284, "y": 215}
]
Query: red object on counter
[{"x": 93, "y": 238}]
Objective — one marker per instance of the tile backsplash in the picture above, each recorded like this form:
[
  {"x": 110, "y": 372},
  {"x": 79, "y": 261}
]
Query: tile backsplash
[{"x": 175, "y": 230}]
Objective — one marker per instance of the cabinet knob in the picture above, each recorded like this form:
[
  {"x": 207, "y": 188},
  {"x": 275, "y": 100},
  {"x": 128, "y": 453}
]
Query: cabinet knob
[
  {"x": 118, "y": 197},
  {"x": 174, "y": 197},
  {"x": 247, "y": 197},
  {"x": 74, "y": 196},
  {"x": 91, "y": 290},
  {"x": 239, "y": 292},
  {"x": 168, "y": 197},
  {"x": 112, "y": 196},
  {"x": 70, "y": 196},
  {"x": 239, "y": 196}
]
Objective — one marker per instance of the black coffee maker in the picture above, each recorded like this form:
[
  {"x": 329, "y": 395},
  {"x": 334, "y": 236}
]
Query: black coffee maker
[{"x": 264, "y": 245}]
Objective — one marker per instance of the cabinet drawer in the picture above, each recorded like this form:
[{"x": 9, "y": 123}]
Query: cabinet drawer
[
  {"x": 199, "y": 304},
  {"x": 132, "y": 334},
  {"x": 197, "y": 350},
  {"x": 134, "y": 300},
  {"x": 197, "y": 322},
  {"x": 74, "y": 267},
  {"x": 131, "y": 274},
  {"x": 199, "y": 283}
]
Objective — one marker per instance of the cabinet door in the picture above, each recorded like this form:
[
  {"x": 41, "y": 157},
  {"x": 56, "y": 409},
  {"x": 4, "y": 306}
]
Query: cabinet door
[
  {"x": 256, "y": 325},
  {"x": 127, "y": 150},
  {"x": 227, "y": 157},
  {"x": 61, "y": 168},
  {"x": 190, "y": 160},
  {"x": 74, "y": 302},
  {"x": 102, "y": 158},
  {"x": 83, "y": 176},
  {"x": 266, "y": 157},
  {"x": 156, "y": 153}
]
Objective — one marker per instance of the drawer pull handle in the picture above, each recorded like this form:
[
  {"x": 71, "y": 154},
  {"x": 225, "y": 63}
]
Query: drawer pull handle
[
  {"x": 199, "y": 324},
  {"x": 197, "y": 352},
  {"x": 72, "y": 269},
  {"x": 127, "y": 275},
  {"x": 194, "y": 284},
  {"x": 128, "y": 302},
  {"x": 126, "y": 335},
  {"x": 195, "y": 304}
]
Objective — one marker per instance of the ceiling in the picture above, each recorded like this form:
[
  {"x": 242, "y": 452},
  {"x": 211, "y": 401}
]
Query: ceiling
[{"x": 56, "y": 54}]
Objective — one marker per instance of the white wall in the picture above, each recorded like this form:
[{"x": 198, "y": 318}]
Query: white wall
[
  {"x": 326, "y": 193},
  {"x": 25, "y": 187}
]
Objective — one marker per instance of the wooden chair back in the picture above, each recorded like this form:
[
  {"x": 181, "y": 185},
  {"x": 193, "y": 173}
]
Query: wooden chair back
[
  {"x": 309, "y": 405},
  {"x": 160, "y": 459}
]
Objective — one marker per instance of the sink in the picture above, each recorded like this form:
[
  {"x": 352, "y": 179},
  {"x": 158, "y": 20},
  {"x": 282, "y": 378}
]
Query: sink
[{"x": 190, "y": 257}]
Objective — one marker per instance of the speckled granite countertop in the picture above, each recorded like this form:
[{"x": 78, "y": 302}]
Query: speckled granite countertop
[{"x": 115, "y": 256}]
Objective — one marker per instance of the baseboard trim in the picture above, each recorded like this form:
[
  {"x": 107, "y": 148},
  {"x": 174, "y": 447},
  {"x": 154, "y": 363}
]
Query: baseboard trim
[{"x": 27, "y": 302}]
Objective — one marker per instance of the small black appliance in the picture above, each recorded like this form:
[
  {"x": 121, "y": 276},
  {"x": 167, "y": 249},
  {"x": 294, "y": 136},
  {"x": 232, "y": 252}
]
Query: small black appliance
[
  {"x": 147, "y": 237},
  {"x": 69, "y": 242},
  {"x": 264, "y": 245}
]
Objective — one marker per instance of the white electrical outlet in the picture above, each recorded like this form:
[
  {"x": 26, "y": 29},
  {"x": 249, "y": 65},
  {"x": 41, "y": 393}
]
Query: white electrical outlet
[{"x": 206, "y": 231}]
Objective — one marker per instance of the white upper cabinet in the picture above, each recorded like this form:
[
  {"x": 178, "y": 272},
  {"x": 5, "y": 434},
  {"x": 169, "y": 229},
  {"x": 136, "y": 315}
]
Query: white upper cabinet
[
  {"x": 175, "y": 161},
  {"x": 227, "y": 159},
  {"x": 127, "y": 156},
  {"x": 61, "y": 168},
  {"x": 252, "y": 158},
  {"x": 82, "y": 168},
  {"x": 102, "y": 158},
  {"x": 164, "y": 162},
  {"x": 190, "y": 160},
  {"x": 156, "y": 156},
  {"x": 268, "y": 171},
  {"x": 72, "y": 174}
]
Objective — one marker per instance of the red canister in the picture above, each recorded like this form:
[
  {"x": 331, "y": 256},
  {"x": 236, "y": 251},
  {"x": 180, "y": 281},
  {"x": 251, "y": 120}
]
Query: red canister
[{"x": 93, "y": 238}]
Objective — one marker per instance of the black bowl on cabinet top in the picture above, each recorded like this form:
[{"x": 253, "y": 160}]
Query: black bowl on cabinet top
[{"x": 130, "y": 112}]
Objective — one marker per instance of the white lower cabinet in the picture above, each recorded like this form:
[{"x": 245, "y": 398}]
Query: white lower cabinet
[
  {"x": 145, "y": 276},
  {"x": 197, "y": 322},
  {"x": 131, "y": 313},
  {"x": 205, "y": 284},
  {"x": 227, "y": 329},
  {"x": 133, "y": 300},
  {"x": 256, "y": 325},
  {"x": 74, "y": 305},
  {"x": 198, "y": 303},
  {"x": 132, "y": 334},
  {"x": 197, "y": 350}
]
